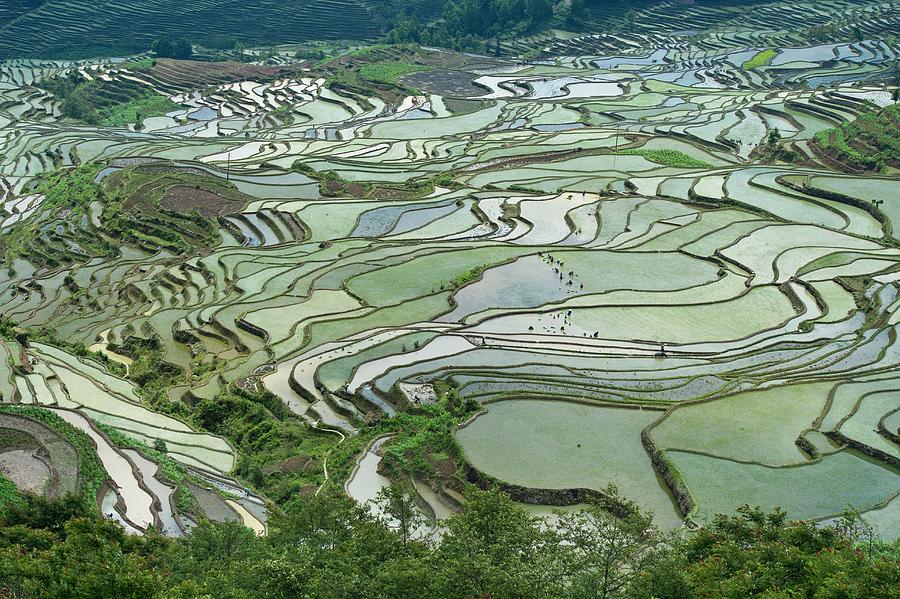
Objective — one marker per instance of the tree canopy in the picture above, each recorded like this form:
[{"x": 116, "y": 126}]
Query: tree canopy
[{"x": 329, "y": 547}]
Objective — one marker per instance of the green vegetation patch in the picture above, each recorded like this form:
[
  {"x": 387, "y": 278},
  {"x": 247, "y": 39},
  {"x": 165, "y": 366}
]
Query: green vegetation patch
[
  {"x": 871, "y": 142},
  {"x": 668, "y": 158},
  {"x": 389, "y": 72},
  {"x": 9, "y": 493},
  {"x": 278, "y": 453},
  {"x": 762, "y": 59},
  {"x": 424, "y": 446},
  {"x": 111, "y": 103},
  {"x": 135, "y": 111},
  {"x": 143, "y": 65},
  {"x": 68, "y": 196}
]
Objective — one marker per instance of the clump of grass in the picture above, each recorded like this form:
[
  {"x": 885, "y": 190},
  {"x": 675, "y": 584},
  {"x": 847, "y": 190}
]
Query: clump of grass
[
  {"x": 668, "y": 158},
  {"x": 760, "y": 60},
  {"x": 467, "y": 277},
  {"x": 388, "y": 72}
]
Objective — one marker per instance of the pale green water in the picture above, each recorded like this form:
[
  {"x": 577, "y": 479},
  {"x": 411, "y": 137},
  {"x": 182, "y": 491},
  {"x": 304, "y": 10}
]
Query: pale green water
[{"x": 535, "y": 443}]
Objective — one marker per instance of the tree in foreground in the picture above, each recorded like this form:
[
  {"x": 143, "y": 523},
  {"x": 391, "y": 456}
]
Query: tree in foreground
[{"x": 327, "y": 547}]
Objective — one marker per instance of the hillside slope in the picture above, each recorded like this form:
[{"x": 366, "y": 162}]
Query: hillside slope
[
  {"x": 47, "y": 28},
  {"x": 869, "y": 143}
]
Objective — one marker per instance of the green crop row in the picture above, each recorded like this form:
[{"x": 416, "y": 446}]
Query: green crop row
[{"x": 668, "y": 158}]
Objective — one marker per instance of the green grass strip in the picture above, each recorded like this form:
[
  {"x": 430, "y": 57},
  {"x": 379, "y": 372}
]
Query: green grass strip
[{"x": 174, "y": 471}]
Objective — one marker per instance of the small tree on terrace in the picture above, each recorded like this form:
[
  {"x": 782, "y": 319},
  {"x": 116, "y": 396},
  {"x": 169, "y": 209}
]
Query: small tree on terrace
[
  {"x": 853, "y": 527},
  {"x": 607, "y": 550},
  {"x": 400, "y": 511}
]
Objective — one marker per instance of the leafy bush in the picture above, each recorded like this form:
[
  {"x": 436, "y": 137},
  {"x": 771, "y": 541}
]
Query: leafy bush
[{"x": 9, "y": 493}]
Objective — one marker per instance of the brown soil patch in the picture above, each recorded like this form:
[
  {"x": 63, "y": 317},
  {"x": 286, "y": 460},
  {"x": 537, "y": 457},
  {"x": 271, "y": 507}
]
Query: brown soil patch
[
  {"x": 190, "y": 73},
  {"x": 446, "y": 468},
  {"x": 333, "y": 188},
  {"x": 307, "y": 490},
  {"x": 289, "y": 466},
  {"x": 182, "y": 198}
]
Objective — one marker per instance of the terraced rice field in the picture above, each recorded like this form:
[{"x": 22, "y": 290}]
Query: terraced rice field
[{"x": 596, "y": 249}]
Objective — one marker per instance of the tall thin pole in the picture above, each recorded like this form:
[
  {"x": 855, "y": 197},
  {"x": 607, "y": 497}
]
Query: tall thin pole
[{"x": 616, "y": 151}]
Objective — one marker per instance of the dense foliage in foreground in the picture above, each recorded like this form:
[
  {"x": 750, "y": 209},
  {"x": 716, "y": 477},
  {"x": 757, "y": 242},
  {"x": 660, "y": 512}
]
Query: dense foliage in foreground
[{"x": 328, "y": 547}]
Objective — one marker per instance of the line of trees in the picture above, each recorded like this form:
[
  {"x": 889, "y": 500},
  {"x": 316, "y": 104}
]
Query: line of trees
[
  {"x": 172, "y": 47},
  {"x": 465, "y": 24},
  {"x": 328, "y": 547}
]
